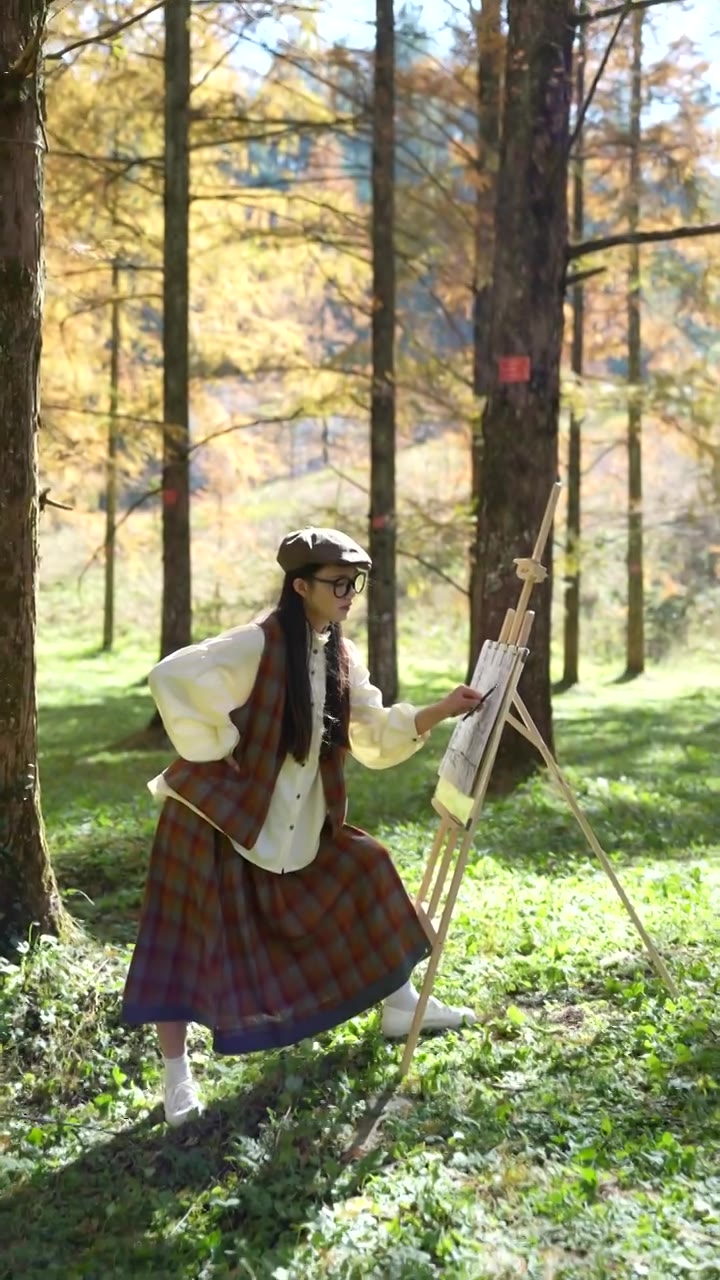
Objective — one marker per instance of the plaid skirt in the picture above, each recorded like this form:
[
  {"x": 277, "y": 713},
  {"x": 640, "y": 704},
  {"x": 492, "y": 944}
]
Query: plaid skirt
[{"x": 266, "y": 959}]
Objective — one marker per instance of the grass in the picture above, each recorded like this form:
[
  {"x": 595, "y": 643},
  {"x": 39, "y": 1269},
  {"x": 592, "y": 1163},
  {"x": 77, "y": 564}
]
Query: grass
[{"x": 574, "y": 1133}]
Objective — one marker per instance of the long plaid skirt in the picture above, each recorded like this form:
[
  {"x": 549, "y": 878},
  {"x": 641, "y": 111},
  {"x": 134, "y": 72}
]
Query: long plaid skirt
[{"x": 265, "y": 959}]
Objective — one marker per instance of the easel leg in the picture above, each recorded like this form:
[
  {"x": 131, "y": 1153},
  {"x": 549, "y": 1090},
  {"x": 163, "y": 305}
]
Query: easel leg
[
  {"x": 530, "y": 730},
  {"x": 440, "y": 834},
  {"x": 442, "y": 873},
  {"x": 427, "y": 986},
  {"x": 450, "y": 832}
]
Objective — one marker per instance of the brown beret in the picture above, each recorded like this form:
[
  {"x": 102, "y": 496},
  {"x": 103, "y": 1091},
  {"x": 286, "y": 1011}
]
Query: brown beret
[{"x": 319, "y": 546}]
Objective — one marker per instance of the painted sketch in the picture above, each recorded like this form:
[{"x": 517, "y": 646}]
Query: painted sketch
[{"x": 496, "y": 675}]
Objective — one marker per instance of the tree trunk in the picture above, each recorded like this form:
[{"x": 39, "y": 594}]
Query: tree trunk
[
  {"x": 29, "y": 899},
  {"x": 382, "y": 617},
  {"x": 571, "y": 633},
  {"x": 176, "y": 601},
  {"x": 520, "y": 422},
  {"x": 635, "y": 658},
  {"x": 489, "y": 47},
  {"x": 111, "y": 465}
]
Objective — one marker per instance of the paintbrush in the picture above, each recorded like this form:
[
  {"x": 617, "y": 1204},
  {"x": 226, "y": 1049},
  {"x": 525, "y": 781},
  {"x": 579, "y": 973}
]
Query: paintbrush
[{"x": 480, "y": 704}]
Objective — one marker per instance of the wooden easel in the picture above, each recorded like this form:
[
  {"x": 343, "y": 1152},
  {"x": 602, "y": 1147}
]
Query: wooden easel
[{"x": 460, "y": 800}]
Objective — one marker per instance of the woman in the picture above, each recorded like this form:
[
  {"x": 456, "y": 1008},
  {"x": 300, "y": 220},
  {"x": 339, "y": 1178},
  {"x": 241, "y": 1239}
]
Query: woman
[{"x": 266, "y": 917}]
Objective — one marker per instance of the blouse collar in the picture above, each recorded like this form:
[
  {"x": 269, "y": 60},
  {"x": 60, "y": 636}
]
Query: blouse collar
[{"x": 319, "y": 637}]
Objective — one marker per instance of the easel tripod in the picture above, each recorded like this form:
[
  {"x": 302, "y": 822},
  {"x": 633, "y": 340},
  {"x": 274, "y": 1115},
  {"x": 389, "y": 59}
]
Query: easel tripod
[{"x": 459, "y": 802}]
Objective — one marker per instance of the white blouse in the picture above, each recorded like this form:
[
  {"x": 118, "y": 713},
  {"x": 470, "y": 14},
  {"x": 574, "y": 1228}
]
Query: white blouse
[{"x": 196, "y": 688}]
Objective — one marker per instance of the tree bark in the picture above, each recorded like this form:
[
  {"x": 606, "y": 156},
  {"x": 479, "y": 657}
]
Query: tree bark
[
  {"x": 635, "y": 656},
  {"x": 571, "y": 629},
  {"x": 111, "y": 464},
  {"x": 520, "y": 422},
  {"x": 382, "y": 591},
  {"x": 29, "y": 900},
  {"x": 490, "y": 48},
  {"x": 176, "y": 600}
]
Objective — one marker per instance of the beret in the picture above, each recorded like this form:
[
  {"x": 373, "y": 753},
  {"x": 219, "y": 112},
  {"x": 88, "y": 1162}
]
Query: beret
[{"x": 319, "y": 546}]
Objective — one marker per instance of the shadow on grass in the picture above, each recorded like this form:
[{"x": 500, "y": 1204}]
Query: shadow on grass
[
  {"x": 241, "y": 1184},
  {"x": 82, "y": 728},
  {"x": 128, "y": 1207},
  {"x": 658, "y": 798},
  {"x": 81, "y": 765},
  {"x": 633, "y": 740}
]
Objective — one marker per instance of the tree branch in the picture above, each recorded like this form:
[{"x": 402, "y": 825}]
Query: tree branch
[
  {"x": 44, "y": 500},
  {"x": 640, "y": 237},
  {"x": 107, "y": 33},
  {"x": 144, "y": 497},
  {"x": 102, "y": 413},
  {"x": 584, "y": 107},
  {"x": 409, "y": 555},
  {"x": 579, "y": 277},
  {"x": 156, "y": 490},
  {"x": 581, "y": 19},
  {"x": 283, "y": 419}
]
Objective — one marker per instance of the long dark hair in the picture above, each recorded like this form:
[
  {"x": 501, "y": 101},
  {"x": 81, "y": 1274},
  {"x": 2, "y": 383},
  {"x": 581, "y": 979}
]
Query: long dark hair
[{"x": 297, "y": 715}]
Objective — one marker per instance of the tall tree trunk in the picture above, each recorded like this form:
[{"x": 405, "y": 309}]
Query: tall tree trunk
[
  {"x": 520, "y": 422},
  {"x": 176, "y": 600},
  {"x": 28, "y": 893},
  {"x": 635, "y": 658},
  {"x": 571, "y": 631},
  {"x": 490, "y": 50},
  {"x": 382, "y": 616},
  {"x": 111, "y": 464}
]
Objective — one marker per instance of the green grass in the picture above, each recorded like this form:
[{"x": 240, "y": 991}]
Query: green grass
[{"x": 574, "y": 1133}]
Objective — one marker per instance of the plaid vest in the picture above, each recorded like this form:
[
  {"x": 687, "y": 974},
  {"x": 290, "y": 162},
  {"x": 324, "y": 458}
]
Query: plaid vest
[{"x": 236, "y": 799}]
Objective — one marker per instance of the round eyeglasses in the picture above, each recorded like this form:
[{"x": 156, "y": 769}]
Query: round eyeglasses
[{"x": 343, "y": 586}]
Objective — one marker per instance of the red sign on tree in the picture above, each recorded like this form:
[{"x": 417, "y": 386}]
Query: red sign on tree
[{"x": 513, "y": 369}]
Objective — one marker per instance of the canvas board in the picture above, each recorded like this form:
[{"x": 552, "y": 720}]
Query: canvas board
[{"x": 498, "y": 669}]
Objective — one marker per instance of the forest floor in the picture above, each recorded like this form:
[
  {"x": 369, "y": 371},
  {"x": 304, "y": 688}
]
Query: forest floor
[{"x": 575, "y": 1132}]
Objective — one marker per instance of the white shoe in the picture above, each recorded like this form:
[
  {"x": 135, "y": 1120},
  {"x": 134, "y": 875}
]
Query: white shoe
[
  {"x": 438, "y": 1017},
  {"x": 182, "y": 1102}
]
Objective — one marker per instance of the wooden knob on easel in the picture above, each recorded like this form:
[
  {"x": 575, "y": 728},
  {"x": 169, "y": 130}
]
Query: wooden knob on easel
[{"x": 529, "y": 570}]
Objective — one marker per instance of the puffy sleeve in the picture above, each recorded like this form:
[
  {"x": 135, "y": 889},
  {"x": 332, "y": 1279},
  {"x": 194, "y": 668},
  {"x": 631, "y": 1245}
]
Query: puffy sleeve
[
  {"x": 196, "y": 688},
  {"x": 379, "y": 736}
]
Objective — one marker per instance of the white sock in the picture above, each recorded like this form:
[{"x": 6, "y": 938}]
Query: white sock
[
  {"x": 405, "y": 999},
  {"x": 177, "y": 1070}
]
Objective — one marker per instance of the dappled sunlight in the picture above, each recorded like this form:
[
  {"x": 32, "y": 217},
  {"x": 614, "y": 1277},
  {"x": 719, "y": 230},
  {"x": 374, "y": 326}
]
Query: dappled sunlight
[
  {"x": 582, "y": 1095},
  {"x": 280, "y": 278}
]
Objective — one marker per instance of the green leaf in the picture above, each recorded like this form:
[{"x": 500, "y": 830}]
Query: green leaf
[{"x": 515, "y": 1015}]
